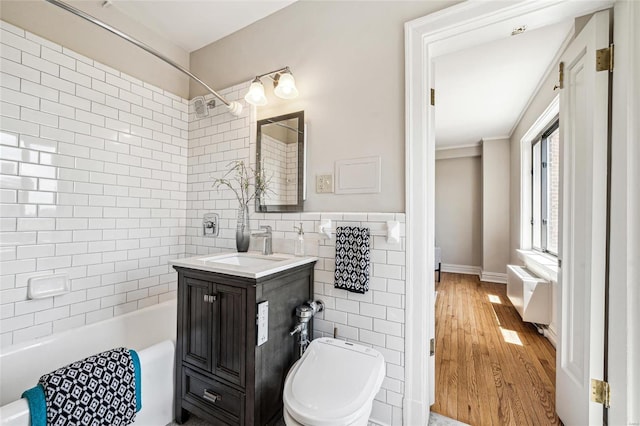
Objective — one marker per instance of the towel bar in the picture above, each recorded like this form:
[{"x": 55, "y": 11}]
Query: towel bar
[{"x": 392, "y": 231}]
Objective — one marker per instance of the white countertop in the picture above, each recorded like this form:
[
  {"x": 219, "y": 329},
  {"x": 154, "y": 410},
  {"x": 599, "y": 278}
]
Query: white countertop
[{"x": 248, "y": 265}]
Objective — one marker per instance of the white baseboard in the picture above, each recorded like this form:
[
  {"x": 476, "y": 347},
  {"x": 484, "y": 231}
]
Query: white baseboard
[
  {"x": 461, "y": 269},
  {"x": 551, "y": 335},
  {"x": 493, "y": 277}
]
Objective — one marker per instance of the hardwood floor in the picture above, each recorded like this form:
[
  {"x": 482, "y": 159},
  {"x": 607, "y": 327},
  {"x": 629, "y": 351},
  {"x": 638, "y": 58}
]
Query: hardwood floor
[{"x": 491, "y": 367}]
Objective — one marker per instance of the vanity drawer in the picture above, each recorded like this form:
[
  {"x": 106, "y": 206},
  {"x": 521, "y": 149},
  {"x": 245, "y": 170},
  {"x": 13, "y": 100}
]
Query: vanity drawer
[{"x": 213, "y": 396}]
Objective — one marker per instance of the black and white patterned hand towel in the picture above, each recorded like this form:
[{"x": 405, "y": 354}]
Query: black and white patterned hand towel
[
  {"x": 99, "y": 390},
  {"x": 352, "y": 258}
]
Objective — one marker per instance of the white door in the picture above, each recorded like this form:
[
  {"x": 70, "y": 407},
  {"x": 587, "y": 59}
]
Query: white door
[{"x": 583, "y": 125}]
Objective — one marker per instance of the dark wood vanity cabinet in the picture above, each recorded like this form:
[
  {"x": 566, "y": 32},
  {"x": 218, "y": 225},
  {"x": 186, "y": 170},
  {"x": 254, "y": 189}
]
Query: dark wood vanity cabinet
[
  {"x": 214, "y": 328},
  {"x": 222, "y": 376}
]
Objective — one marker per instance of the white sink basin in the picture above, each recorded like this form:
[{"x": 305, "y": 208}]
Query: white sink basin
[
  {"x": 250, "y": 265},
  {"x": 244, "y": 259}
]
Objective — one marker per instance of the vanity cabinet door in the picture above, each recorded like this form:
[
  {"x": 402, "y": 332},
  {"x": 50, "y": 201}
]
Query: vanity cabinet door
[
  {"x": 230, "y": 324},
  {"x": 197, "y": 336}
]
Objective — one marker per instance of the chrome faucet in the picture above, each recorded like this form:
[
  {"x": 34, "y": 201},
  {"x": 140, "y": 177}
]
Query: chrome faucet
[{"x": 267, "y": 247}]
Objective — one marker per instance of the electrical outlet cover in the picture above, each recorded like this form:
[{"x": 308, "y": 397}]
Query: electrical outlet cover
[{"x": 263, "y": 322}]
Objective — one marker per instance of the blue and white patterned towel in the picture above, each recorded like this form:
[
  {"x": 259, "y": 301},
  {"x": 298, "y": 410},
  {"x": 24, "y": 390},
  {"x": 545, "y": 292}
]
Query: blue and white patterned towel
[
  {"x": 352, "y": 258},
  {"x": 103, "y": 389}
]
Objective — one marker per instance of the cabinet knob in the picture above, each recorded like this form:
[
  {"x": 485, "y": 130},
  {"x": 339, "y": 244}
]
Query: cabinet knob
[
  {"x": 210, "y": 298},
  {"x": 211, "y": 396}
]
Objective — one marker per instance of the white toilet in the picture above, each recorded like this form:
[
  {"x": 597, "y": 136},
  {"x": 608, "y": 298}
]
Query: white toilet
[{"x": 334, "y": 383}]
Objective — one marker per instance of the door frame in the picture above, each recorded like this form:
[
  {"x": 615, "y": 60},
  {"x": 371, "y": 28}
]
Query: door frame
[
  {"x": 460, "y": 26},
  {"x": 624, "y": 293}
]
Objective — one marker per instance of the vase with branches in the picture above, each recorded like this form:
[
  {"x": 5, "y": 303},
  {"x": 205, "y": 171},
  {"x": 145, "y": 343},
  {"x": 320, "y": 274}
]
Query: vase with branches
[{"x": 247, "y": 184}]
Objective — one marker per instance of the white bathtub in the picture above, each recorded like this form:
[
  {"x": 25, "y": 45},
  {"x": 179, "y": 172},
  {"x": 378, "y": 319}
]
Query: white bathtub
[{"x": 150, "y": 331}]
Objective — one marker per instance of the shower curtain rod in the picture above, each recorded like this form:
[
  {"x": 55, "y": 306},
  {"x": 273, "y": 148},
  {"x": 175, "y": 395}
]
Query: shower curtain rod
[{"x": 234, "y": 107}]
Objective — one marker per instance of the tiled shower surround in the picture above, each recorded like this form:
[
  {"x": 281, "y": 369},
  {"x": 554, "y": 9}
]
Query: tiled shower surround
[
  {"x": 93, "y": 185},
  {"x": 106, "y": 178}
]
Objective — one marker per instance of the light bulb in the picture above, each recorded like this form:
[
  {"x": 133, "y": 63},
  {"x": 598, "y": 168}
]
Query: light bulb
[
  {"x": 286, "y": 88},
  {"x": 255, "y": 95}
]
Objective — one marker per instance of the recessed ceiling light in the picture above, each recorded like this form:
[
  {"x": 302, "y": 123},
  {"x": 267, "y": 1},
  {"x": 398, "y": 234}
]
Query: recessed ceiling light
[{"x": 519, "y": 30}]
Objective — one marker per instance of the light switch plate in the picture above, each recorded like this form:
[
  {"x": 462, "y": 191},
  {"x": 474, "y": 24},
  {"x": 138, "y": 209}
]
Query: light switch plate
[
  {"x": 324, "y": 184},
  {"x": 263, "y": 322}
]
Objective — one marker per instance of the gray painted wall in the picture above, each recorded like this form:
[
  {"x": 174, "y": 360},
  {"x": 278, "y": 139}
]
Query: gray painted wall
[
  {"x": 348, "y": 61},
  {"x": 495, "y": 205},
  {"x": 473, "y": 205},
  {"x": 459, "y": 210}
]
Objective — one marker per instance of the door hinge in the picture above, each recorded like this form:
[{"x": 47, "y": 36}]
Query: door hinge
[
  {"x": 604, "y": 59},
  {"x": 433, "y": 97},
  {"x": 561, "y": 75},
  {"x": 600, "y": 392},
  {"x": 432, "y": 347}
]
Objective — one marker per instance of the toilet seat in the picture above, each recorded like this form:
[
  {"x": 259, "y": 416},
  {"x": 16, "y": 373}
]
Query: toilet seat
[
  {"x": 363, "y": 420},
  {"x": 334, "y": 383}
]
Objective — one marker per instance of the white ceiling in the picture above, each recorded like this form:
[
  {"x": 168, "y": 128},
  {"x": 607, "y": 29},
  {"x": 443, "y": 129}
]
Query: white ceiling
[
  {"x": 192, "y": 24},
  {"x": 481, "y": 91}
]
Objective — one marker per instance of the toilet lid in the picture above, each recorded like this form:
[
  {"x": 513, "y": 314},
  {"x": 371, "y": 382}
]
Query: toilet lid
[{"x": 333, "y": 382}]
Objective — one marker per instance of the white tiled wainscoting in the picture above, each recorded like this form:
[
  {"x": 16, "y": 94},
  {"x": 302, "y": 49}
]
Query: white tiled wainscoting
[{"x": 375, "y": 318}]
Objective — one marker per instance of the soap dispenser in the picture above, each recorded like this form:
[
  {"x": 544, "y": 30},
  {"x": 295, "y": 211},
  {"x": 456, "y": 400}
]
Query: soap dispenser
[{"x": 299, "y": 249}]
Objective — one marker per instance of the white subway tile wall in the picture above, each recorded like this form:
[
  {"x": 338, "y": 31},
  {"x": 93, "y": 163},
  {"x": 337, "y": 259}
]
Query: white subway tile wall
[
  {"x": 375, "y": 319},
  {"x": 93, "y": 184}
]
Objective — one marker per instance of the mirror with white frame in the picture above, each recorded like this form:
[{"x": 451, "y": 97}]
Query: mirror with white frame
[{"x": 280, "y": 157}]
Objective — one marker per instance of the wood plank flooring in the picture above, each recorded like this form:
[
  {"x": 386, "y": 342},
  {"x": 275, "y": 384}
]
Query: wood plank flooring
[{"x": 491, "y": 367}]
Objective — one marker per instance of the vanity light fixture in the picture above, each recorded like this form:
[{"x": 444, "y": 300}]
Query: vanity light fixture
[{"x": 283, "y": 82}]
